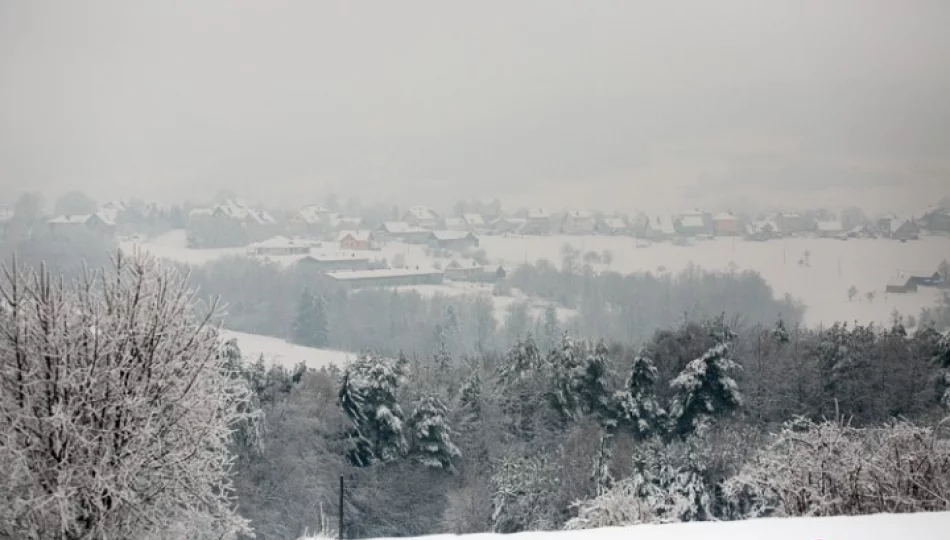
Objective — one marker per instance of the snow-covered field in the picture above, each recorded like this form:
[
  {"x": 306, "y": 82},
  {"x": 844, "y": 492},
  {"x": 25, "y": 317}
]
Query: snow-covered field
[
  {"x": 834, "y": 265},
  {"x": 932, "y": 526},
  {"x": 280, "y": 352}
]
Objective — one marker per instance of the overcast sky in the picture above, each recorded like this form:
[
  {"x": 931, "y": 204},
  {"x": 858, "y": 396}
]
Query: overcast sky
[{"x": 617, "y": 105}]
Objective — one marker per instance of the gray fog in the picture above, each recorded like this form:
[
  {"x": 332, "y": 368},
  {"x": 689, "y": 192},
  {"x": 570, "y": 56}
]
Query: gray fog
[{"x": 609, "y": 104}]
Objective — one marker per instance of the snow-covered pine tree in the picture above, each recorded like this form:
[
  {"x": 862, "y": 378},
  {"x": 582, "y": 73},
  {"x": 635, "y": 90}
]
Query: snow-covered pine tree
[
  {"x": 470, "y": 398},
  {"x": 368, "y": 398},
  {"x": 942, "y": 359},
  {"x": 636, "y": 405},
  {"x": 705, "y": 387},
  {"x": 593, "y": 390},
  {"x": 522, "y": 359},
  {"x": 432, "y": 444},
  {"x": 565, "y": 375},
  {"x": 116, "y": 407}
]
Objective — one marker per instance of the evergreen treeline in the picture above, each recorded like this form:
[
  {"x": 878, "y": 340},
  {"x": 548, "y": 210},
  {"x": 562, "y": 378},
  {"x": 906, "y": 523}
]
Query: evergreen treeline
[{"x": 690, "y": 426}]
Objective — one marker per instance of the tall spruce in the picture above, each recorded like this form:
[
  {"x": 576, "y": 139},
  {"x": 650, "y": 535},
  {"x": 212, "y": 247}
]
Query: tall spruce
[
  {"x": 368, "y": 398},
  {"x": 432, "y": 444},
  {"x": 705, "y": 387},
  {"x": 637, "y": 408}
]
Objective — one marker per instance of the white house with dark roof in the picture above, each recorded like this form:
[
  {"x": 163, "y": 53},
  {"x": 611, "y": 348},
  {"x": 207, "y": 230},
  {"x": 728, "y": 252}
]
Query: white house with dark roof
[{"x": 401, "y": 231}]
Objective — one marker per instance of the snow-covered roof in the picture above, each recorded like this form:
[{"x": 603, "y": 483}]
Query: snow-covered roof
[
  {"x": 236, "y": 209},
  {"x": 334, "y": 257},
  {"x": 579, "y": 214},
  {"x": 538, "y": 213},
  {"x": 105, "y": 218},
  {"x": 615, "y": 223},
  {"x": 473, "y": 219},
  {"x": 202, "y": 212},
  {"x": 829, "y": 226},
  {"x": 724, "y": 216},
  {"x": 511, "y": 220},
  {"x": 423, "y": 213},
  {"x": 663, "y": 224},
  {"x": 75, "y": 219},
  {"x": 400, "y": 227},
  {"x": 278, "y": 242},
  {"x": 692, "y": 221},
  {"x": 451, "y": 235},
  {"x": 312, "y": 214},
  {"x": 359, "y": 236},
  {"x": 349, "y": 275},
  {"x": 352, "y": 222},
  {"x": 455, "y": 222}
]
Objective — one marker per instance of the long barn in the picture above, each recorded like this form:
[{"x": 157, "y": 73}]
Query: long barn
[{"x": 388, "y": 277}]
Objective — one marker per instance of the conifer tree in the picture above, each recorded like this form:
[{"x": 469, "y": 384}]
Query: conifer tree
[
  {"x": 368, "y": 398},
  {"x": 432, "y": 444},
  {"x": 705, "y": 387},
  {"x": 637, "y": 407},
  {"x": 593, "y": 391}
]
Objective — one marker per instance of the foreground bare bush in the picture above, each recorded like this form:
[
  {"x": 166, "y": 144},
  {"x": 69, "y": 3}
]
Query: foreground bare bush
[{"x": 831, "y": 468}]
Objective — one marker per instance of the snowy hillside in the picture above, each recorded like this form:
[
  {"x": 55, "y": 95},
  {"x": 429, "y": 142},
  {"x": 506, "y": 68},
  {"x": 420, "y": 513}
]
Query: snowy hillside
[
  {"x": 932, "y": 526},
  {"x": 286, "y": 354}
]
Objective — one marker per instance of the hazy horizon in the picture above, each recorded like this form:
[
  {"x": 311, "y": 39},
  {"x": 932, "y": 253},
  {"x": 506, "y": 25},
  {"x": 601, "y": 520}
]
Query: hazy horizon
[{"x": 613, "y": 105}]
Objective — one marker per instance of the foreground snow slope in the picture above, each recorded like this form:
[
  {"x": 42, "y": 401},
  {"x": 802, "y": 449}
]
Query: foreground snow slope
[
  {"x": 278, "y": 351},
  {"x": 932, "y": 526}
]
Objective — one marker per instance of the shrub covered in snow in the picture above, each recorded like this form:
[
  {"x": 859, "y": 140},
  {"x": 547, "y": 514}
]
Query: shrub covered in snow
[{"x": 831, "y": 468}]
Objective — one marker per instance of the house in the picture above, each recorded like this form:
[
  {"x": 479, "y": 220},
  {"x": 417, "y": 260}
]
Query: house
[
  {"x": 475, "y": 222},
  {"x": 476, "y": 273},
  {"x": 356, "y": 240},
  {"x": 96, "y": 223},
  {"x": 578, "y": 222},
  {"x": 926, "y": 279},
  {"x": 660, "y": 228},
  {"x": 387, "y": 277},
  {"x": 402, "y": 232},
  {"x": 829, "y": 228},
  {"x": 308, "y": 220},
  {"x": 937, "y": 220},
  {"x": 905, "y": 229},
  {"x": 538, "y": 221},
  {"x": 726, "y": 224},
  {"x": 900, "y": 285},
  {"x": 613, "y": 226},
  {"x": 331, "y": 262},
  {"x": 454, "y": 240},
  {"x": 336, "y": 222},
  {"x": 422, "y": 216},
  {"x": 509, "y": 225},
  {"x": 762, "y": 230},
  {"x": 455, "y": 224},
  {"x": 692, "y": 224},
  {"x": 861, "y": 231},
  {"x": 278, "y": 245},
  {"x": 790, "y": 223}
]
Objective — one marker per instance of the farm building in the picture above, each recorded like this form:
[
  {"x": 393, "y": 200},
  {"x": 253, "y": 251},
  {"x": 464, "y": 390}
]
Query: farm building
[
  {"x": 900, "y": 285},
  {"x": 613, "y": 226},
  {"x": 482, "y": 274},
  {"x": 356, "y": 240},
  {"x": 538, "y": 222},
  {"x": 578, "y": 222},
  {"x": 507, "y": 225},
  {"x": 97, "y": 223},
  {"x": 726, "y": 224},
  {"x": 936, "y": 219},
  {"x": 660, "y": 228},
  {"x": 790, "y": 223},
  {"x": 474, "y": 222},
  {"x": 402, "y": 232},
  {"x": 905, "y": 229},
  {"x": 692, "y": 224},
  {"x": 278, "y": 245},
  {"x": 926, "y": 279},
  {"x": 422, "y": 216},
  {"x": 455, "y": 240},
  {"x": 829, "y": 228},
  {"x": 387, "y": 277},
  {"x": 334, "y": 262},
  {"x": 455, "y": 224}
]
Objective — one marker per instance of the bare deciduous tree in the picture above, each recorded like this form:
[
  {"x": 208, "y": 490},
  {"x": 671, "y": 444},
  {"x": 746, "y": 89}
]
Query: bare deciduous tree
[{"x": 116, "y": 408}]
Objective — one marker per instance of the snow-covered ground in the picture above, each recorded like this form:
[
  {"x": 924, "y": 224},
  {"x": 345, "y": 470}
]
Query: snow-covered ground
[
  {"x": 834, "y": 265},
  {"x": 535, "y": 306},
  {"x": 286, "y": 354},
  {"x": 931, "y": 526}
]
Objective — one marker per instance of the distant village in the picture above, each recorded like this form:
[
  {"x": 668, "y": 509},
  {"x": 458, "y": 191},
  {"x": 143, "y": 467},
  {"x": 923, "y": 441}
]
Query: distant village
[{"x": 341, "y": 244}]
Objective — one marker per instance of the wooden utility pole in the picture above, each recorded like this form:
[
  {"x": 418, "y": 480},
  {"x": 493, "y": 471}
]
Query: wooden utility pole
[{"x": 340, "y": 534}]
